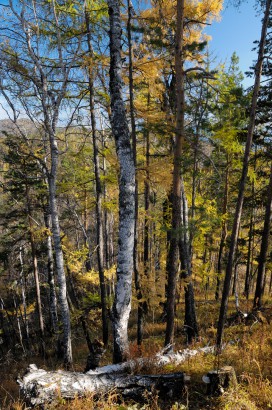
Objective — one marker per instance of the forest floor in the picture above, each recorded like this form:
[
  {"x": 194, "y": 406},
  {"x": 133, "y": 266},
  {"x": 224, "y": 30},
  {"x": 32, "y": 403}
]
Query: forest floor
[{"x": 248, "y": 349}]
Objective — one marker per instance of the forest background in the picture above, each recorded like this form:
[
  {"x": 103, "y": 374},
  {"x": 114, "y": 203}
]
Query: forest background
[{"x": 149, "y": 120}]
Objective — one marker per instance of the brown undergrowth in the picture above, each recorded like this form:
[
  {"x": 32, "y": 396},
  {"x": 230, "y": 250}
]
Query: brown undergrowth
[{"x": 248, "y": 349}]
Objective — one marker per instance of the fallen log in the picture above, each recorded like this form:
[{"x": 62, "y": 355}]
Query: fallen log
[
  {"x": 164, "y": 357},
  {"x": 39, "y": 386}
]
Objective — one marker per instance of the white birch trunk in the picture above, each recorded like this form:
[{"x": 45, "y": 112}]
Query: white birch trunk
[
  {"x": 50, "y": 271},
  {"x": 122, "y": 303},
  {"x": 62, "y": 295}
]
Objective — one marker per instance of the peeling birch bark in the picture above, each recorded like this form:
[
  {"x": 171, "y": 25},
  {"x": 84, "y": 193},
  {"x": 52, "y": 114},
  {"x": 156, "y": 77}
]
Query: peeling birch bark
[
  {"x": 122, "y": 302},
  {"x": 39, "y": 386}
]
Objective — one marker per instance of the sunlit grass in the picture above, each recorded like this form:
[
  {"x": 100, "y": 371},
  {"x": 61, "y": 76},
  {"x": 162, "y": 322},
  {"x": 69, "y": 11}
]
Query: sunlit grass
[{"x": 248, "y": 349}]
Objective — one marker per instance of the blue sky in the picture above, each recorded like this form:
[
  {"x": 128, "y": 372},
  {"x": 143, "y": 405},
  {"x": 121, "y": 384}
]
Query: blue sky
[{"x": 236, "y": 31}]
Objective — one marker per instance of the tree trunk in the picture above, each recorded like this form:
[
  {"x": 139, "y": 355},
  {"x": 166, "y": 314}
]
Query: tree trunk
[
  {"x": 18, "y": 323},
  {"x": 260, "y": 285},
  {"x": 180, "y": 229},
  {"x": 224, "y": 231},
  {"x": 99, "y": 192},
  {"x": 65, "y": 314},
  {"x": 35, "y": 265},
  {"x": 190, "y": 322},
  {"x": 50, "y": 273},
  {"x": 172, "y": 259},
  {"x": 122, "y": 302},
  {"x": 240, "y": 200},
  {"x": 249, "y": 254},
  {"x": 146, "y": 207},
  {"x": 106, "y": 221},
  {"x": 140, "y": 313},
  {"x": 235, "y": 279},
  {"x": 23, "y": 292},
  {"x": 249, "y": 265}
]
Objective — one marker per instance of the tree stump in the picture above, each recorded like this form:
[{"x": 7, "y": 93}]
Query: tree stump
[{"x": 219, "y": 380}]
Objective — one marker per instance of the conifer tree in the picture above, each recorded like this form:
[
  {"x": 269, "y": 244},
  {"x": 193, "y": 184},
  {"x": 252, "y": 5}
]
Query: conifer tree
[{"x": 240, "y": 200}]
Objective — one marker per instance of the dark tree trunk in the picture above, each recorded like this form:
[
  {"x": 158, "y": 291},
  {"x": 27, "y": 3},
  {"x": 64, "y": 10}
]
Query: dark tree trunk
[
  {"x": 146, "y": 207},
  {"x": 224, "y": 231},
  {"x": 172, "y": 257},
  {"x": 190, "y": 322},
  {"x": 99, "y": 192},
  {"x": 23, "y": 292},
  {"x": 260, "y": 285},
  {"x": 249, "y": 255},
  {"x": 122, "y": 302},
  {"x": 249, "y": 265},
  {"x": 106, "y": 224},
  {"x": 179, "y": 205},
  {"x": 240, "y": 200}
]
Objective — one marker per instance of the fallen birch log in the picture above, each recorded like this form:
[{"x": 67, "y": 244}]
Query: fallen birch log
[
  {"x": 39, "y": 386},
  {"x": 159, "y": 360}
]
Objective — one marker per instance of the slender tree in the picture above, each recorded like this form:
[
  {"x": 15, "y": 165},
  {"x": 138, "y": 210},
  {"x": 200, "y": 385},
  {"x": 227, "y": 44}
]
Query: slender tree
[
  {"x": 122, "y": 302},
  {"x": 260, "y": 284},
  {"x": 172, "y": 261},
  {"x": 98, "y": 186},
  {"x": 179, "y": 203}
]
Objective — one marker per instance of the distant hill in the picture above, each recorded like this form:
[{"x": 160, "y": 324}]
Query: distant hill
[{"x": 24, "y": 123}]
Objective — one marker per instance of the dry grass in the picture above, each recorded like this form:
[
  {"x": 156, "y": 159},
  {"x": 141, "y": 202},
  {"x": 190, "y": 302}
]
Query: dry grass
[{"x": 249, "y": 351}]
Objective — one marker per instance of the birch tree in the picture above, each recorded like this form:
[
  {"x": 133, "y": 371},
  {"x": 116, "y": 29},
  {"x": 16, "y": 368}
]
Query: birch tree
[
  {"x": 36, "y": 72},
  {"x": 122, "y": 302}
]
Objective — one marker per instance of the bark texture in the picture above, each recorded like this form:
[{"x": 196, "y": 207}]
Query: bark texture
[
  {"x": 190, "y": 321},
  {"x": 122, "y": 302},
  {"x": 140, "y": 313},
  {"x": 62, "y": 295},
  {"x": 179, "y": 240},
  {"x": 50, "y": 272},
  {"x": 40, "y": 386},
  {"x": 172, "y": 260}
]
